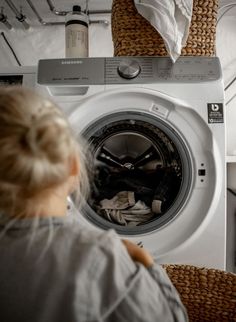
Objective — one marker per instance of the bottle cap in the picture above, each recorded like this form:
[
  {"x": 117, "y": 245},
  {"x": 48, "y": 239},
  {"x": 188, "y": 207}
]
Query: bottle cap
[{"x": 76, "y": 9}]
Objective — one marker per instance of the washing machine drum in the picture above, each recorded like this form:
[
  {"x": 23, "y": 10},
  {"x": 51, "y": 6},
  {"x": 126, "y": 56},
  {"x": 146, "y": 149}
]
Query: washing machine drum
[{"x": 141, "y": 172}]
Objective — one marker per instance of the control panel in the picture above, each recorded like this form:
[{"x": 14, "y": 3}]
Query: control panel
[{"x": 123, "y": 70}]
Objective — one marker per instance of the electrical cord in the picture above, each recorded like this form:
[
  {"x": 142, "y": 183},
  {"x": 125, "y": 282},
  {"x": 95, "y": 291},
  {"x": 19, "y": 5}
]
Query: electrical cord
[
  {"x": 7, "y": 42},
  {"x": 226, "y": 5},
  {"x": 227, "y": 103},
  {"x": 232, "y": 4},
  {"x": 233, "y": 80},
  {"x": 229, "y": 6},
  {"x": 232, "y": 191}
]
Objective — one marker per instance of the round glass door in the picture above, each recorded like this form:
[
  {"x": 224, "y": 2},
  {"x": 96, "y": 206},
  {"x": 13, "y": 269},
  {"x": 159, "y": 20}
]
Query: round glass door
[{"x": 141, "y": 172}]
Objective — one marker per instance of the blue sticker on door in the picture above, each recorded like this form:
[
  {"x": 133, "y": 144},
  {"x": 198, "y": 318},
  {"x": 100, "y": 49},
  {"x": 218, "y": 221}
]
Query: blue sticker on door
[{"x": 215, "y": 113}]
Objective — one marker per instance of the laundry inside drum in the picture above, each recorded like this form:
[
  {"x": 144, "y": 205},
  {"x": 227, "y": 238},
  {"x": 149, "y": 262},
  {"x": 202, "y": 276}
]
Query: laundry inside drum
[{"x": 137, "y": 172}]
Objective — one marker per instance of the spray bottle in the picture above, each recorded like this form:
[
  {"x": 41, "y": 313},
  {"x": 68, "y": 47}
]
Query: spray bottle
[{"x": 76, "y": 33}]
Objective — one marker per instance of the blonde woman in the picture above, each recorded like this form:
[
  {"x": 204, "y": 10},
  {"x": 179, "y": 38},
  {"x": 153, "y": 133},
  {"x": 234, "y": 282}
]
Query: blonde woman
[{"x": 53, "y": 269}]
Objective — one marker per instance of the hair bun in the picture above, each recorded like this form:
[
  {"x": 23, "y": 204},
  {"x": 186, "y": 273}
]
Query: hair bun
[
  {"x": 42, "y": 138},
  {"x": 36, "y": 149}
]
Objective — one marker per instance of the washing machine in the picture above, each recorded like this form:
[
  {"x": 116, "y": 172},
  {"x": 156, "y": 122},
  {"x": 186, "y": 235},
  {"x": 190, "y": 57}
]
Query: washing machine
[{"x": 156, "y": 136}]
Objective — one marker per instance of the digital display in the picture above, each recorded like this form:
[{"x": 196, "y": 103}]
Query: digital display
[{"x": 11, "y": 80}]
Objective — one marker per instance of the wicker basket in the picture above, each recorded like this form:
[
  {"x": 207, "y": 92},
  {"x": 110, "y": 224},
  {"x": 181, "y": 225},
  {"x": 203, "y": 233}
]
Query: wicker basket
[
  {"x": 133, "y": 35},
  {"x": 209, "y": 295}
]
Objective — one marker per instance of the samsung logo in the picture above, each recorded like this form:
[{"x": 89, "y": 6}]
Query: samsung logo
[{"x": 68, "y": 62}]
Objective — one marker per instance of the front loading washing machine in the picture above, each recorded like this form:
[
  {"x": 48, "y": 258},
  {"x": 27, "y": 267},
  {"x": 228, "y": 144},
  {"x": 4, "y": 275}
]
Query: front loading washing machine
[{"x": 156, "y": 136}]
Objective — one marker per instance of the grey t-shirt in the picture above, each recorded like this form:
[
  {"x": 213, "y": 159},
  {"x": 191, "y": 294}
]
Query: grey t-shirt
[{"x": 55, "y": 270}]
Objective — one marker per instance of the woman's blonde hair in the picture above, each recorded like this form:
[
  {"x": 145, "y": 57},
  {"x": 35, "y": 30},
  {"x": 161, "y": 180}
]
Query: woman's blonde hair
[{"x": 36, "y": 148}]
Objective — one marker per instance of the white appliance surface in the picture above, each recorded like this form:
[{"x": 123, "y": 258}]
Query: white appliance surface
[{"x": 184, "y": 103}]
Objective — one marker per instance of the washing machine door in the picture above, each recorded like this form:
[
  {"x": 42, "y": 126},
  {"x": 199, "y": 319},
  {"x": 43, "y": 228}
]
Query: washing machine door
[{"x": 154, "y": 175}]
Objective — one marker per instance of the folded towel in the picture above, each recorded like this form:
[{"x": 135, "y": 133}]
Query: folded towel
[{"x": 171, "y": 18}]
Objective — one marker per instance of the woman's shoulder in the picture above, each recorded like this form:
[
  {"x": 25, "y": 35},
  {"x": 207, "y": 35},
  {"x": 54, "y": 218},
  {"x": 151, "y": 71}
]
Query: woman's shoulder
[
  {"x": 86, "y": 233},
  {"x": 82, "y": 238},
  {"x": 92, "y": 252}
]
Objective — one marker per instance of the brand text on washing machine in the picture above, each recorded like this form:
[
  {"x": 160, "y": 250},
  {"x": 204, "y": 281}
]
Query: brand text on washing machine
[{"x": 68, "y": 62}]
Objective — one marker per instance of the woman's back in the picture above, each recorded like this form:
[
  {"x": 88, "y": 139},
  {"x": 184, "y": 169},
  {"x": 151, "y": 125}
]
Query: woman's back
[{"x": 55, "y": 270}]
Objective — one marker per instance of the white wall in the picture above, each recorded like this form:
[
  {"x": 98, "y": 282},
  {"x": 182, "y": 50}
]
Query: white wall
[
  {"x": 49, "y": 42},
  {"x": 226, "y": 50}
]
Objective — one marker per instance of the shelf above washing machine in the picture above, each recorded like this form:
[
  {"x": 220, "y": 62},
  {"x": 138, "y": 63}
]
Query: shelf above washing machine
[{"x": 231, "y": 159}]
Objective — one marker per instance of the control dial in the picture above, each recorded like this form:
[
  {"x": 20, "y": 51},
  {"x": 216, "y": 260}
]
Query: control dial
[{"x": 129, "y": 68}]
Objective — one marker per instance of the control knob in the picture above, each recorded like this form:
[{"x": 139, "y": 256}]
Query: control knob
[{"x": 129, "y": 68}]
